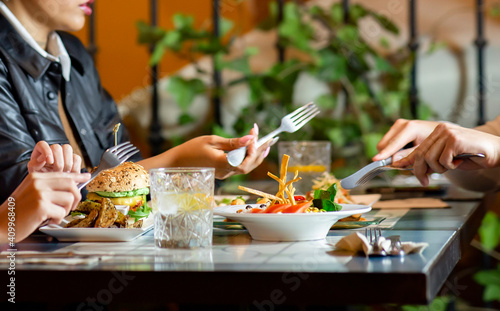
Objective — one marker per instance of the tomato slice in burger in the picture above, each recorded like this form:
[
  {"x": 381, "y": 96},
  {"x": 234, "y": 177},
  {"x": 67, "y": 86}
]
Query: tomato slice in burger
[
  {"x": 276, "y": 208},
  {"x": 297, "y": 208}
]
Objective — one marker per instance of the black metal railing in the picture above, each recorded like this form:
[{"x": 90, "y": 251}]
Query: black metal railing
[{"x": 480, "y": 43}]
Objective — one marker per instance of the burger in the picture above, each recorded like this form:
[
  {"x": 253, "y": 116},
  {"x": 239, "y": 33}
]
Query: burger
[{"x": 126, "y": 184}]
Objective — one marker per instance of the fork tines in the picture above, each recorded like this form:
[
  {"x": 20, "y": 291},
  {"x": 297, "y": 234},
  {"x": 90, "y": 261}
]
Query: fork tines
[
  {"x": 124, "y": 150},
  {"x": 304, "y": 114}
]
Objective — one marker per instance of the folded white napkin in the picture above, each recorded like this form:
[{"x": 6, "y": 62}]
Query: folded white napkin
[{"x": 358, "y": 243}]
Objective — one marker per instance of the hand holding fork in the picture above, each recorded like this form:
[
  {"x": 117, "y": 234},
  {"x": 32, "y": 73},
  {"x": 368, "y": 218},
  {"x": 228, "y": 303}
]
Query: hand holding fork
[
  {"x": 112, "y": 157},
  {"x": 290, "y": 123}
]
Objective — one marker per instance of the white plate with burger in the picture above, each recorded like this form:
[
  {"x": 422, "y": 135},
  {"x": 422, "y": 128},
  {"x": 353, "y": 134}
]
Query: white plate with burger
[{"x": 124, "y": 188}]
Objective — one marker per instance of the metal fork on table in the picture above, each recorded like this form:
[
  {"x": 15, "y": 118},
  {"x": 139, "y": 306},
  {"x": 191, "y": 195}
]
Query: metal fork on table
[
  {"x": 374, "y": 234},
  {"x": 290, "y": 123},
  {"x": 373, "y": 169},
  {"x": 112, "y": 157}
]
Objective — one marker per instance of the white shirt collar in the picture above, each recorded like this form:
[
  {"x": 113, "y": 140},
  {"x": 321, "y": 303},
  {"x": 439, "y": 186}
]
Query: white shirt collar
[{"x": 54, "y": 43}]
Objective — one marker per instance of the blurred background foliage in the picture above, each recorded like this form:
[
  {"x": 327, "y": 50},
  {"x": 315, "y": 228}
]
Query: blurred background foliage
[{"x": 368, "y": 83}]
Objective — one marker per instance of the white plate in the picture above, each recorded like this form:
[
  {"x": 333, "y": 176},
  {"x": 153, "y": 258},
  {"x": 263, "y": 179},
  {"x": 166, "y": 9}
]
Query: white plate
[
  {"x": 289, "y": 227},
  {"x": 96, "y": 234}
]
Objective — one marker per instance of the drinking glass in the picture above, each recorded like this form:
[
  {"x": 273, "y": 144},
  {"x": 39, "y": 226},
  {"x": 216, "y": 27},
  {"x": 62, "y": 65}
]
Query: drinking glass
[
  {"x": 310, "y": 158},
  {"x": 183, "y": 201}
]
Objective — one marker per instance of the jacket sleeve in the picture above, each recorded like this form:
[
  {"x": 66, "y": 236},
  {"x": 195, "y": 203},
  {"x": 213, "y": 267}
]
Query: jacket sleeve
[{"x": 16, "y": 143}]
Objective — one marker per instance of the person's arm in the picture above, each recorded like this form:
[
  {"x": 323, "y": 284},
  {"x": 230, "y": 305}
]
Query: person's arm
[
  {"x": 482, "y": 180},
  {"x": 209, "y": 151},
  {"x": 438, "y": 151},
  {"x": 39, "y": 197},
  {"x": 16, "y": 143}
]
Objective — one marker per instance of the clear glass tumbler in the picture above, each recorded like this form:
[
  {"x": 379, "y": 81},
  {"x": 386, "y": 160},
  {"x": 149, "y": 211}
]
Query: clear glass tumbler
[
  {"x": 310, "y": 158},
  {"x": 183, "y": 201}
]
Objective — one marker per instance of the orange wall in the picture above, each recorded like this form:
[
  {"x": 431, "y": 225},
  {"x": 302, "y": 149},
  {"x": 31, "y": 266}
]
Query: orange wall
[{"x": 122, "y": 63}]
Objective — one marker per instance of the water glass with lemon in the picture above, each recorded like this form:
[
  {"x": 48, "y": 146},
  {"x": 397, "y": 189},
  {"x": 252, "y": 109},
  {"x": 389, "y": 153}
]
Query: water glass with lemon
[
  {"x": 310, "y": 158},
  {"x": 182, "y": 199}
]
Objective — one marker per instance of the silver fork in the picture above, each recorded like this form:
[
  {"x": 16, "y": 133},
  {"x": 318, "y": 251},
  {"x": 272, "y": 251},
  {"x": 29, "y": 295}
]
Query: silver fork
[
  {"x": 290, "y": 123},
  {"x": 373, "y": 169},
  {"x": 112, "y": 157},
  {"x": 375, "y": 234}
]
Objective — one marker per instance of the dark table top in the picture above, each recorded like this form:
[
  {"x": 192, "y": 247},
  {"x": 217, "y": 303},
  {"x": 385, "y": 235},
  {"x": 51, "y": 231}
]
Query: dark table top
[{"x": 239, "y": 270}]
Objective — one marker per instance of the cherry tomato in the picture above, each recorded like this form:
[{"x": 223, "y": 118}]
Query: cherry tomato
[
  {"x": 276, "y": 208},
  {"x": 297, "y": 208},
  {"x": 299, "y": 198},
  {"x": 256, "y": 210}
]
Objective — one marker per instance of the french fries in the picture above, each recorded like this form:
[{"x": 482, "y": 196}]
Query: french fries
[{"x": 286, "y": 189}]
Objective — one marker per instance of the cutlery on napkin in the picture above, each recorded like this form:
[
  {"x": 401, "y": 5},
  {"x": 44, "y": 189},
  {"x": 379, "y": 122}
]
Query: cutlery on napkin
[{"x": 358, "y": 243}]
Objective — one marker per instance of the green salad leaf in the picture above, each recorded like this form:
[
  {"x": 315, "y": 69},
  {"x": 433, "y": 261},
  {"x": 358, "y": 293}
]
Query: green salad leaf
[
  {"x": 324, "y": 199},
  {"x": 142, "y": 211}
]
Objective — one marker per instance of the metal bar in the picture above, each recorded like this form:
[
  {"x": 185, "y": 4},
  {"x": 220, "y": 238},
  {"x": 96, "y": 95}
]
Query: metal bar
[
  {"x": 480, "y": 43},
  {"x": 413, "y": 46},
  {"x": 279, "y": 46},
  {"x": 345, "y": 7},
  {"x": 217, "y": 77},
  {"x": 92, "y": 47},
  {"x": 155, "y": 138}
]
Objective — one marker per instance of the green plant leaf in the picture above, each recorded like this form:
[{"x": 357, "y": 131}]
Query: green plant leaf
[
  {"x": 186, "y": 118},
  {"x": 384, "y": 42},
  {"x": 357, "y": 12},
  {"x": 293, "y": 30},
  {"x": 489, "y": 232},
  {"x": 148, "y": 34},
  {"x": 225, "y": 26},
  {"x": 185, "y": 90},
  {"x": 172, "y": 40},
  {"x": 385, "y": 22},
  {"x": 327, "y": 101},
  {"x": 490, "y": 279},
  {"x": 251, "y": 50},
  {"x": 157, "y": 55},
  {"x": 336, "y": 136},
  {"x": 382, "y": 65},
  {"x": 331, "y": 66},
  {"x": 182, "y": 21},
  {"x": 348, "y": 33},
  {"x": 371, "y": 140},
  {"x": 337, "y": 13}
]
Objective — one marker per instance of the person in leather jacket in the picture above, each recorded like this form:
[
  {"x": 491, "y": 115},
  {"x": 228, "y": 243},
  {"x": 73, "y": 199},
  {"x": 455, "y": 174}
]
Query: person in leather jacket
[{"x": 50, "y": 90}]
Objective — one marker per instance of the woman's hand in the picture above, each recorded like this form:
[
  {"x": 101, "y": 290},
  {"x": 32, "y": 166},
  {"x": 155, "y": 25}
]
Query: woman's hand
[
  {"x": 54, "y": 158},
  {"x": 39, "y": 197},
  {"x": 210, "y": 151},
  {"x": 401, "y": 133},
  {"x": 436, "y": 153}
]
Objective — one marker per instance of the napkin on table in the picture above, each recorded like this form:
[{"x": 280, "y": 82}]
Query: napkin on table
[
  {"x": 412, "y": 203},
  {"x": 357, "y": 242}
]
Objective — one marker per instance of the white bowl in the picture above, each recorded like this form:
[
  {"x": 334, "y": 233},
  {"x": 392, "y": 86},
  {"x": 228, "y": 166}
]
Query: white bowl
[{"x": 288, "y": 227}]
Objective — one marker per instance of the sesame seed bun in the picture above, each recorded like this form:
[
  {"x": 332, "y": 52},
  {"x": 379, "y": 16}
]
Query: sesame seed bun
[{"x": 127, "y": 176}]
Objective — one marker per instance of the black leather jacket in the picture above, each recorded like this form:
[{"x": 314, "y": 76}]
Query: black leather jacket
[{"x": 29, "y": 87}]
